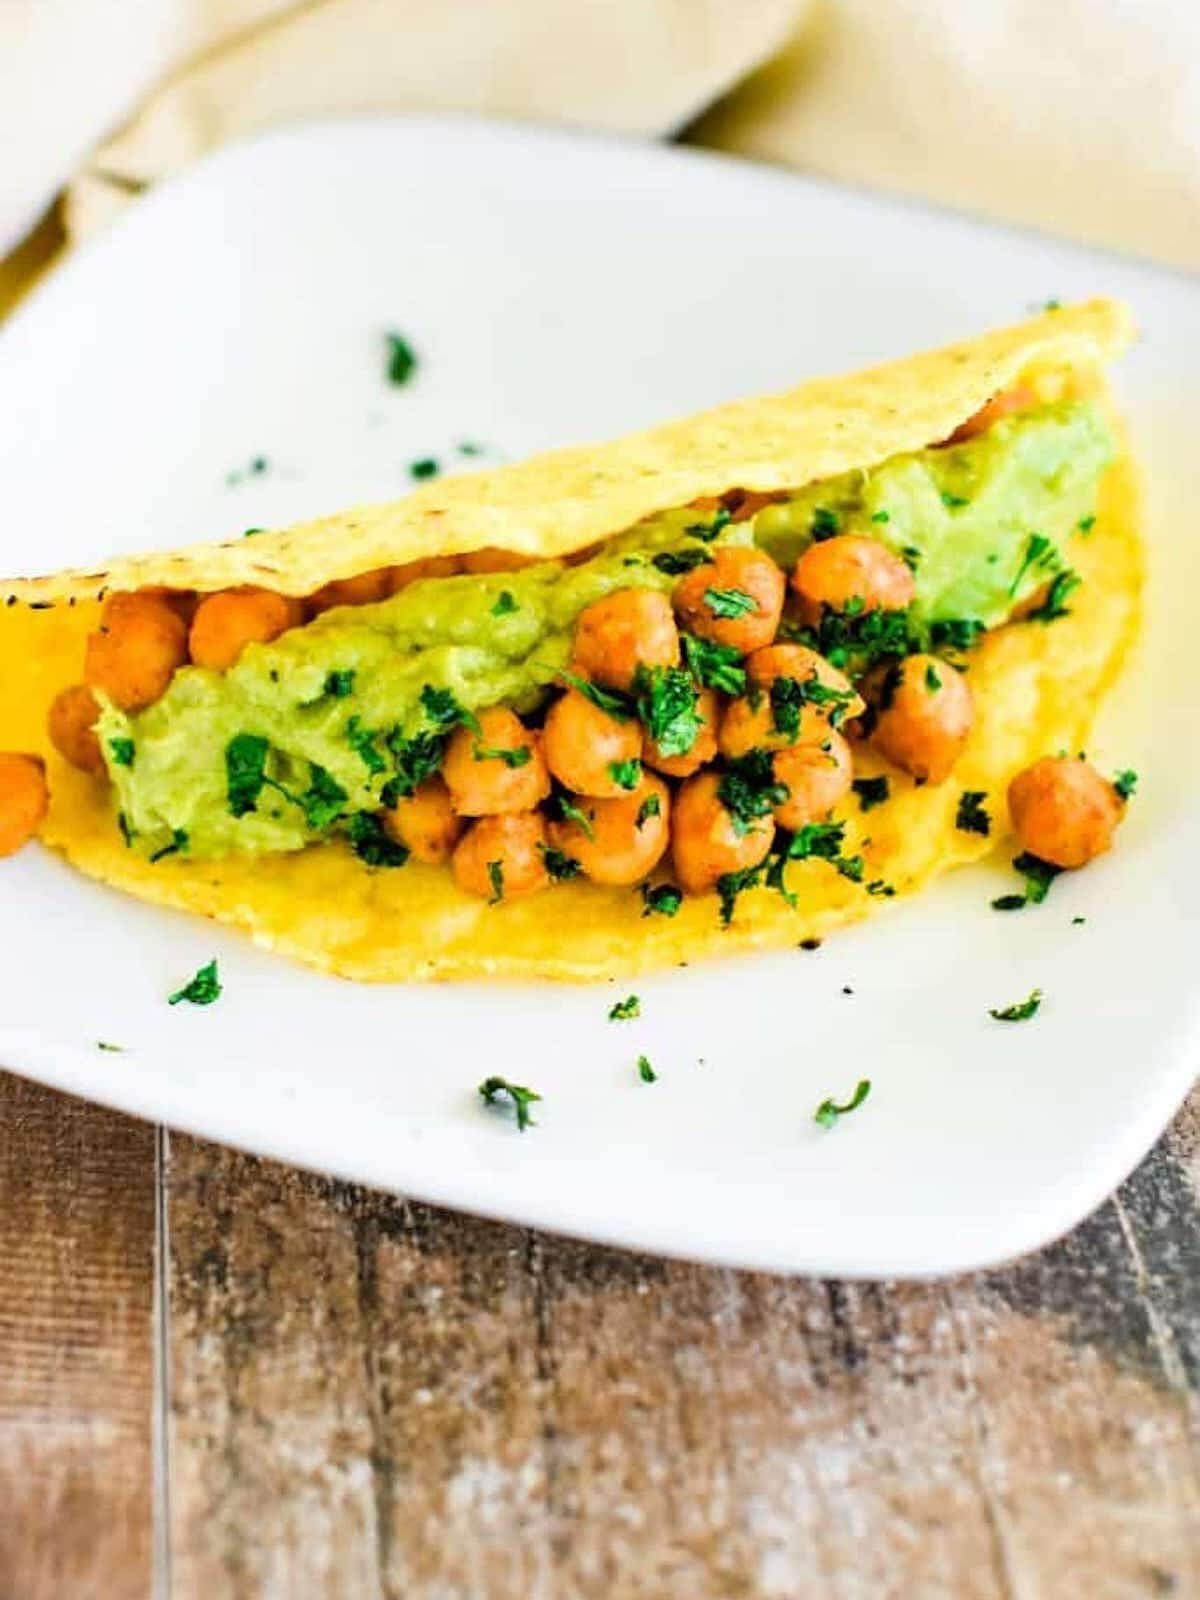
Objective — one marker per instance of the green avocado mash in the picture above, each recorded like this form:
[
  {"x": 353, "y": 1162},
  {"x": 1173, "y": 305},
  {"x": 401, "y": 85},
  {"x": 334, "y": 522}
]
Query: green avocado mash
[{"x": 334, "y": 718}]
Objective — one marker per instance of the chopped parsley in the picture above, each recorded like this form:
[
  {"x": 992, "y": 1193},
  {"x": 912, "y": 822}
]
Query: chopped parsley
[
  {"x": 1021, "y": 1011},
  {"x": 651, "y": 806},
  {"x": 829, "y": 1111},
  {"x": 251, "y": 532},
  {"x": 933, "y": 680},
  {"x": 512, "y": 756},
  {"x": 1041, "y": 554},
  {"x": 444, "y": 711},
  {"x": 955, "y": 635},
  {"x": 953, "y": 501},
  {"x": 178, "y": 844},
  {"x": 372, "y": 844},
  {"x": 495, "y": 872},
  {"x": 362, "y": 741},
  {"x": 881, "y": 516},
  {"x": 1038, "y": 875},
  {"x": 519, "y": 1097},
  {"x": 790, "y": 695},
  {"x": 1125, "y": 783},
  {"x": 749, "y": 790},
  {"x": 625, "y": 774},
  {"x": 126, "y": 830},
  {"x": 663, "y": 900},
  {"x": 121, "y": 751},
  {"x": 815, "y": 841},
  {"x": 340, "y": 683},
  {"x": 626, "y": 1009},
  {"x": 506, "y": 604},
  {"x": 324, "y": 799},
  {"x": 645, "y": 1071},
  {"x": 871, "y": 792},
  {"x": 708, "y": 531},
  {"x": 245, "y": 771},
  {"x": 113, "y": 1049},
  {"x": 911, "y": 556},
  {"x": 732, "y": 884},
  {"x": 605, "y": 699},
  {"x": 858, "y": 637},
  {"x": 471, "y": 447},
  {"x": 714, "y": 666},
  {"x": 1086, "y": 524},
  {"x": 562, "y": 806},
  {"x": 825, "y": 523},
  {"x": 675, "y": 562},
  {"x": 729, "y": 604},
  {"x": 200, "y": 990},
  {"x": 415, "y": 760},
  {"x": 1063, "y": 583},
  {"x": 666, "y": 704},
  {"x": 972, "y": 816},
  {"x": 559, "y": 864},
  {"x": 401, "y": 359},
  {"x": 426, "y": 467}
]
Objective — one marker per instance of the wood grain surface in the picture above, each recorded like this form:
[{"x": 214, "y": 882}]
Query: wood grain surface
[{"x": 370, "y": 1398}]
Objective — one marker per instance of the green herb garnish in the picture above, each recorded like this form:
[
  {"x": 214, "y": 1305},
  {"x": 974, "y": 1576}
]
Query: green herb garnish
[
  {"x": 1054, "y": 605},
  {"x": 625, "y": 1009},
  {"x": 178, "y": 844},
  {"x": 730, "y": 885},
  {"x": 415, "y": 760},
  {"x": 401, "y": 359},
  {"x": 444, "y": 711},
  {"x": 520, "y": 1098},
  {"x": 340, "y": 683},
  {"x": 933, "y": 680},
  {"x": 121, "y": 751},
  {"x": 663, "y": 900},
  {"x": 362, "y": 741},
  {"x": 625, "y": 774},
  {"x": 829, "y": 1111},
  {"x": 790, "y": 695},
  {"x": 953, "y": 501},
  {"x": 563, "y": 806},
  {"x": 324, "y": 799},
  {"x": 513, "y": 756},
  {"x": 1086, "y": 524},
  {"x": 1040, "y": 553},
  {"x": 426, "y": 467},
  {"x": 971, "y": 816},
  {"x": 714, "y": 666},
  {"x": 506, "y": 604},
  {"x": 708, "y": 531},
  {"x": 645, "y": 1071},
  {"x": 675, "y": 562},
  {"x": 650, "y": 807},
  {"x": 729, "y": 604},
  {"x": 856, "y": 637},
  {"x": 1125, "y": 783},
  {"x": 871, "y": 792},
  {"x": 881, "y": 516},
  {"x": 245, "y": 771},
  {"x": 955, "y": 635},
  {"x": 749, "y": 789},
  {"x": 1021, "y": 1011},
  {"x": 113, "y": 1049},
  {"x": 825, "y": 523},
  {"x": 559, "y": 864},
  {"x": 666, "y": 704},
  {"x": 200, "y": 990},
  {"x": 495, "y": 872},
  {"x": 372, "y": 844},
  {"x": 606, "y": 699}
]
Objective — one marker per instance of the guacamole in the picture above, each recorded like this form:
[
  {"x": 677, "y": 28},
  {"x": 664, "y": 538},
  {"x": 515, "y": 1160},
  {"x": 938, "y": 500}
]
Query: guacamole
[{"x": 332, "y": 719}]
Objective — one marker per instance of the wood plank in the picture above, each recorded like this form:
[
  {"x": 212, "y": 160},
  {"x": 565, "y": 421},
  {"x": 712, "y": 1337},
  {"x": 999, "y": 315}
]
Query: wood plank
[
  {"x": 77, "y": 1220},
  {"x": 380, "y": 1399}
]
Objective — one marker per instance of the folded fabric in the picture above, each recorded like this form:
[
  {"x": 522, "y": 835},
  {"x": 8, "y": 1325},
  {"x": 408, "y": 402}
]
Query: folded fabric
[{"x": 1081, "y": 117}]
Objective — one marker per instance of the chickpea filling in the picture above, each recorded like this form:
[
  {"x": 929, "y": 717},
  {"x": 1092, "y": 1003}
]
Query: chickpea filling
[{"x": 678, "y": 711}]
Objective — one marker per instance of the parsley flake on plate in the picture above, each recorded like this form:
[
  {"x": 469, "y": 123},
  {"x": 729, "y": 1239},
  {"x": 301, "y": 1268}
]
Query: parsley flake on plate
[
  {"x": 112, "y": 1049},
  {"x": 402, "y": 360},
  {"x": 200, "y": 990},
  {"x": 625, "y": 1009},
  {"x": 663, "y": 900},
  {"x": 829, "y": 1112},
  {"x": 520, "y": 1098},
  {"x": 1038, "y": 875},
  {"x": 714, "y": 666},
  {"x": 645, "y": 1071},
  {"x": 1019, "y": 1012},
  {"x": 425, "y": 467}
]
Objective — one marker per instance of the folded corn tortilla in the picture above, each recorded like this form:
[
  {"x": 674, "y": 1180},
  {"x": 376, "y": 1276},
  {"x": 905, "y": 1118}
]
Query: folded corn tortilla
[{"x": 1036, "y": 687}]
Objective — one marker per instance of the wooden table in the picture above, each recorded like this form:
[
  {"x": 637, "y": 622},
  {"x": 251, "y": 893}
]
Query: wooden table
[{"x": 221, "y": 1377}]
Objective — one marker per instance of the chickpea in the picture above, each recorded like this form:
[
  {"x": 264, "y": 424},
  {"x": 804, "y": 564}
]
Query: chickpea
[
  {"x": 581, "y": 743},
  {"x": 492, "y": 559},
  {"x": 226, "y": 622},
  {"x": 817, "y": 778},
  {"x": 628, "y": 629},
  {"x": 799, "y": 662},
  {"x": 363, "y": 590},
  {"x": 71, "y": 724},
  {"x": 135, "y": 652},
  {"x": 425, "y": 822},
  {"x": 500, "y": 769},
  {"x": 705, "y": 844},
  {"x": 925, "y": 717},
  {"x": 834, "y": 572},
  {"x": 752, "y": 720},
  {"x": 1063, "y": 810},
  {"x": 502, "y": 858},
  {"x": 1020, "y": 397},
  {"x": 629, "y": 836},
  {"x": 428, "y": 567},
  {"x": 24, "y": 799},
  {"x": 703, "y": 749},
  {"x": 739, "y": 572}
]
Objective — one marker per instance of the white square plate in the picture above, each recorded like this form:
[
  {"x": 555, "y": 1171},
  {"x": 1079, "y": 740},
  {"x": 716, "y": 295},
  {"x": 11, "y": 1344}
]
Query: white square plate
[{"x": 562, "y": 288}]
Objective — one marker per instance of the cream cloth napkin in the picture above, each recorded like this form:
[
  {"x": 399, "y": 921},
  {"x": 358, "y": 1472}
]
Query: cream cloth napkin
[{"x": 193, "y": 73}]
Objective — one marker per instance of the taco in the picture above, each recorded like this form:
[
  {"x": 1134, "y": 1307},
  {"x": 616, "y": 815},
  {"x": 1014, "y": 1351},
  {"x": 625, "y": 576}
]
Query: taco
[{"x": 725, "y": 684}]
